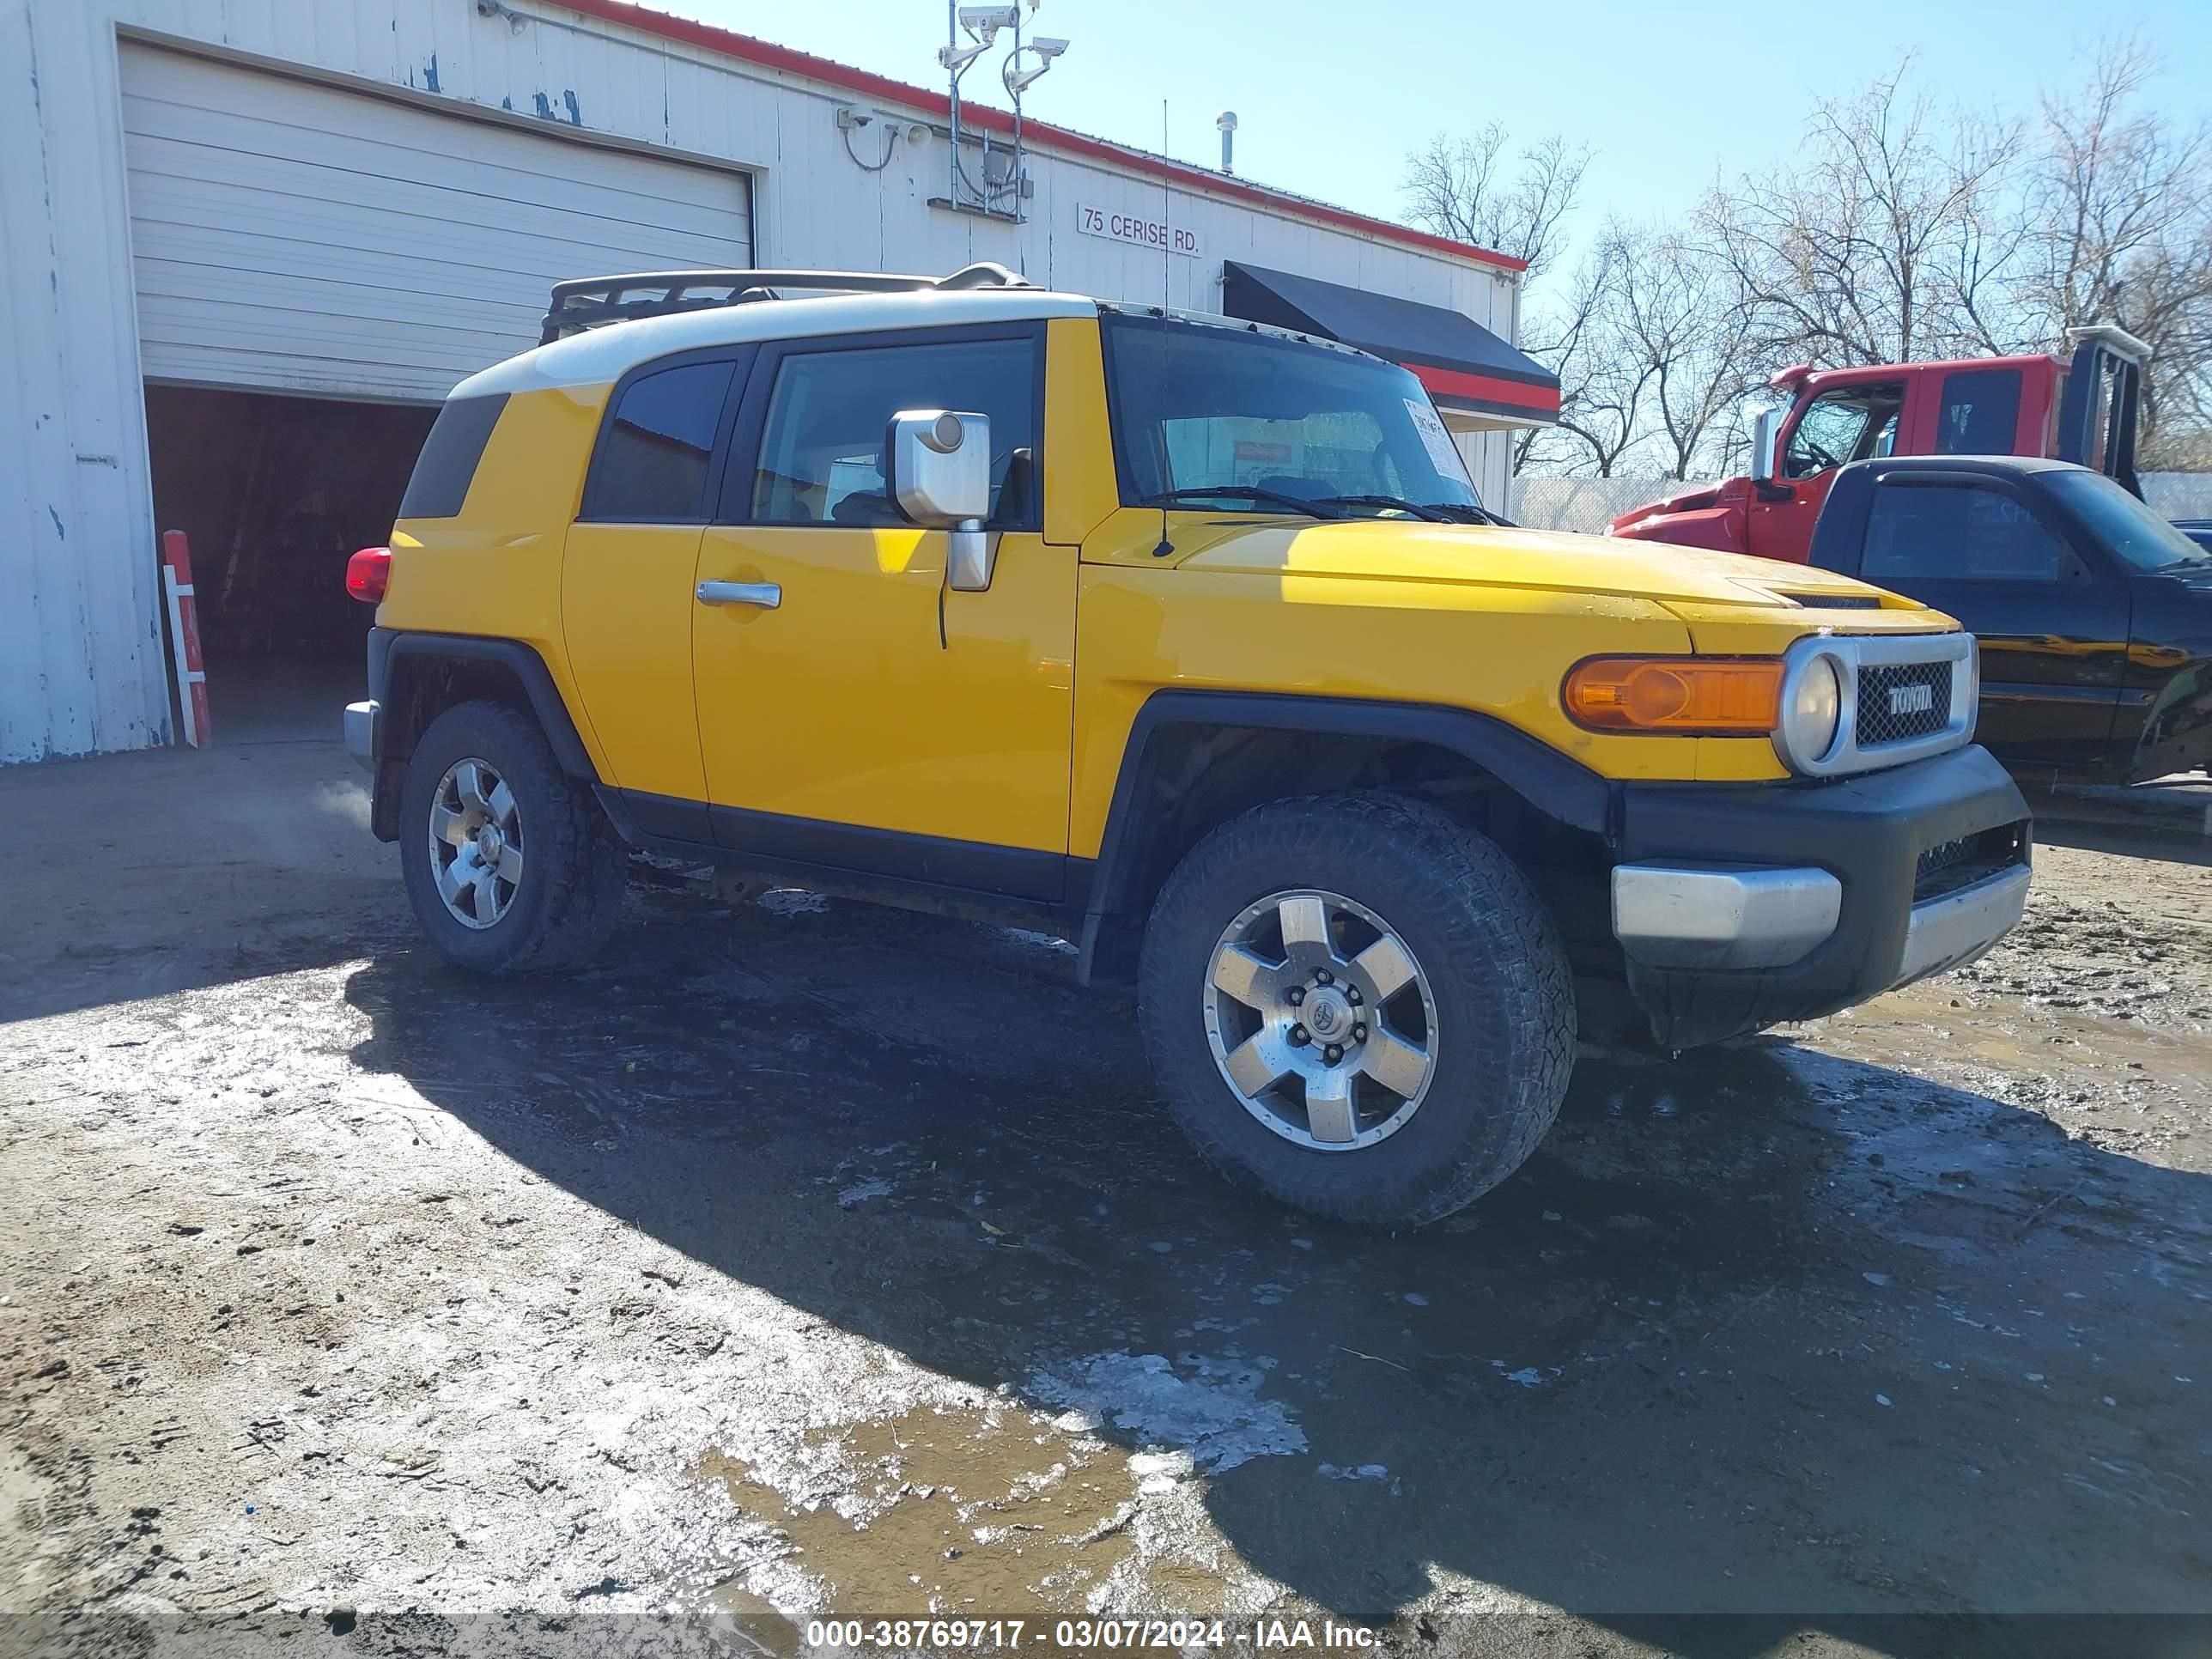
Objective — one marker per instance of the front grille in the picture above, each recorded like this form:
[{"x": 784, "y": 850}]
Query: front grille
[
  {"x": 1949, "y": 865},
  {"x": 1902, "y": 701}
]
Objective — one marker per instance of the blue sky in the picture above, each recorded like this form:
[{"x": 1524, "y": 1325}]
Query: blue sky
[{"x": 1331, "y": 97}]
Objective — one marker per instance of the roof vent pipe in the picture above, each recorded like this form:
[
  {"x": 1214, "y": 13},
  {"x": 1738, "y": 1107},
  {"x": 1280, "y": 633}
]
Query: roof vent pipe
[{"x": 1226, "y": 121}]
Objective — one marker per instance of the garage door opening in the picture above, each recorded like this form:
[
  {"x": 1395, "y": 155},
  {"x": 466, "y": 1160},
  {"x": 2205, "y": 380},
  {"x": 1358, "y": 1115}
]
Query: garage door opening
[{"x": 275, "y": 494}]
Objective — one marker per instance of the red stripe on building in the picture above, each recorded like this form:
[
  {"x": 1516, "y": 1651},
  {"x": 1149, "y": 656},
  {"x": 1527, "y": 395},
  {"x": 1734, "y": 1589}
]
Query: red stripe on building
[
  {"x": 786, "y": 60},
  {"x": 1448, "y": 384}
]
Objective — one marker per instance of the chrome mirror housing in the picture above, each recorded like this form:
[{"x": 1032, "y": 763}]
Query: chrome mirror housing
[
  {"x": 938, "y": 464},
  {"x": 1764, "y": 431}
]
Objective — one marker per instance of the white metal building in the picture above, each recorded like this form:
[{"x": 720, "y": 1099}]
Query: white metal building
[{"x": 246, "y": 245}]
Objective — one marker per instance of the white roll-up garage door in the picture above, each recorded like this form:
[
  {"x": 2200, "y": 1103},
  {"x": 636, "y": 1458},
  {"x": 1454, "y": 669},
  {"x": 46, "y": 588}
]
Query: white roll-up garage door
[{"x": 288, "y": 236}]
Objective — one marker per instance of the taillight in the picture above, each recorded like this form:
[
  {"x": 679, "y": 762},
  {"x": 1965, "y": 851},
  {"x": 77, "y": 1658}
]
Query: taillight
[{"x": 368, "y": 572}]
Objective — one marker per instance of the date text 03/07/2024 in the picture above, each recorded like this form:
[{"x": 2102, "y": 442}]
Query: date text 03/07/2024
[{"x": 1077, "y": 1635}]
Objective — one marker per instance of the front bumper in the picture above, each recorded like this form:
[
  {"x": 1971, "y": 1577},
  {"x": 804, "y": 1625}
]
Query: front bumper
[{"x": 1738, "y": 906}]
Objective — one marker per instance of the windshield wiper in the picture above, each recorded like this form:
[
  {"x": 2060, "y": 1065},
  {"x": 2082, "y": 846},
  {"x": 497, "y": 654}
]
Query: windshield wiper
[
  {"x": 1239, "y": 493},
  {"x": 1434, "y": 515},
  {"x": 1468, "y": 513}
]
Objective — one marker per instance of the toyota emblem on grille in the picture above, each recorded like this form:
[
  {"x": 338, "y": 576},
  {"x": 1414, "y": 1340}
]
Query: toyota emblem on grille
[{"x": 1915, "y": 699}]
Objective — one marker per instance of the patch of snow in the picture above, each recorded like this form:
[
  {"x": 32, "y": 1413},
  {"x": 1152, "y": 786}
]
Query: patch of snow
[
  {"x": 1030, "y": 936},
  {"x": 861, "y": 1191},
  {"x": 1364, "y": 1472},
  {"x": 1213, "y": 1413},
  {"x": 1528, "y": 1377},
  {"x": 793, "y": 902}
]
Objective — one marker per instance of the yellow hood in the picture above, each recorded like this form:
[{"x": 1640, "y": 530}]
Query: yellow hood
[{"x": 1397, "y": 548}]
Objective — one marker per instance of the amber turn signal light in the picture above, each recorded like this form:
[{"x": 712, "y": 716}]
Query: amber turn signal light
[{"x": 1683, "y": 696}]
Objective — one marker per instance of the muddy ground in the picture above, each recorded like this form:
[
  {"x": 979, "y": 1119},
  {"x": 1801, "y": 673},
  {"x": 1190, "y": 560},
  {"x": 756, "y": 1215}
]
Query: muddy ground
[{"x": 802, "y": 1257}]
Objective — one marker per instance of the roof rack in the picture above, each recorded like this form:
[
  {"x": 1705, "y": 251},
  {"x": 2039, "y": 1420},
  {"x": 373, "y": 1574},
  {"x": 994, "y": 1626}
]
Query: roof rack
[{"x": 589, "y": 302}]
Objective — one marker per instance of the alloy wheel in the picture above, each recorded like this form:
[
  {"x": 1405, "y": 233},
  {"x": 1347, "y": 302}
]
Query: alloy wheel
[
  {"x": 476, "y": 843},
  {"x": 1320, "y": 1020}
]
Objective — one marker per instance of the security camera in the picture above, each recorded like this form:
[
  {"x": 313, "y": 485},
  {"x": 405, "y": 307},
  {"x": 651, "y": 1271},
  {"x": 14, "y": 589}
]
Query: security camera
[
  {"x": 984, "y": 22},
  {"x": 1046, "y": 47}
]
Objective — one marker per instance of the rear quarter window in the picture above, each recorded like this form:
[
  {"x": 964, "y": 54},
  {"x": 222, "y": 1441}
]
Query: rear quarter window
[
  {"x": 446, "y": 465},
  {"x": 1981, "y": 408}
]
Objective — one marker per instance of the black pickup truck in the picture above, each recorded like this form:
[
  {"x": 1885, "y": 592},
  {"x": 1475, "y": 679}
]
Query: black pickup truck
[{"x": 2095, "y": 614}]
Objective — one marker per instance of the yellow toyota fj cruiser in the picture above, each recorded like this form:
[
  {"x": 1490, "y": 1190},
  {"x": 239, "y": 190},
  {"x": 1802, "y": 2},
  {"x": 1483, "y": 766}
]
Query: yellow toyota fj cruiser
[{"x": 1188, "y": 639}]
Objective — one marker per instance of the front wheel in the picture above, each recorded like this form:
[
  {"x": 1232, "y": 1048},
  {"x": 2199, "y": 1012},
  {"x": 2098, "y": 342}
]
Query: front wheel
[
  {"x": 509, "y": 863},
  {"x": 1356, "y": 1007}
]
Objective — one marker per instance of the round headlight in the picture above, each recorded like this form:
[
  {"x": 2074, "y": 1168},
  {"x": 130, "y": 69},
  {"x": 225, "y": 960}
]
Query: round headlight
[{"x": 1816, "y": 709}]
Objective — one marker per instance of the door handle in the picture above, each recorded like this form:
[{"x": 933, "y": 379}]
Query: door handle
[{"x": 767, "y": 595}]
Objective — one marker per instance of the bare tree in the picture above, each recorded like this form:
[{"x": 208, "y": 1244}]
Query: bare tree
[
  {"x": 1675, "y": 312},
  {"x": 1602, "y": 388},
  {"x": 1472, "y": 190},
  {"x": 2123, "y": 215},
  {"x": 1892, "y": 237},
  {"x": 1896, "y": 232}
]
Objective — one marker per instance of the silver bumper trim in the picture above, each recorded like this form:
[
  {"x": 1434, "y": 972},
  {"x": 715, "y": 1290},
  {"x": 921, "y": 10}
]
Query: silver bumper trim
[
  {"x": 1958, "y": 928},
  {"x": 361, "y": 732},
  {"x": 1683, "y": 916}
]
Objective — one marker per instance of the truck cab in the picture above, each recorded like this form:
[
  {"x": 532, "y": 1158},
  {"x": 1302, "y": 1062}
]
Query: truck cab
[
  {"x": 2083, "y": 411},
  {"x": 2092, "y": 614}
]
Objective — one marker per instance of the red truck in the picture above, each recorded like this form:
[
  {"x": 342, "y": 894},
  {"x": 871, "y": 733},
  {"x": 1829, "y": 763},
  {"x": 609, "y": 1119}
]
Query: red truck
[{"x": 2083, "y": 410}]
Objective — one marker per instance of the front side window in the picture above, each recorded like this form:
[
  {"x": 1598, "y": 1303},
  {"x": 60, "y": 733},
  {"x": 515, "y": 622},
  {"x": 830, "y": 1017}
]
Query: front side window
[
  {"x": 651, "y": 464},
  {"x": 1956, "y": 532},
  {"x": 1200, "y": 408},
  {"x": 1980, "y": 412},
  {"x": 1848, "y": 424},
  {"x": 821, "y": 456}
]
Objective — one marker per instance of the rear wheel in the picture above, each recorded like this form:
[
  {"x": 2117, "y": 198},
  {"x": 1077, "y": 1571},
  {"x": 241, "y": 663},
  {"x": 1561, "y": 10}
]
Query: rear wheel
[
  {"x": 1358, "y": 1006},
  {"x": 510, "y": 864}
]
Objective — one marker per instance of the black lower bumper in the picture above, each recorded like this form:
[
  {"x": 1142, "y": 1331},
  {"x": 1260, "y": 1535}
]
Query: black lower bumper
[{"x": 1869, "y": 831}]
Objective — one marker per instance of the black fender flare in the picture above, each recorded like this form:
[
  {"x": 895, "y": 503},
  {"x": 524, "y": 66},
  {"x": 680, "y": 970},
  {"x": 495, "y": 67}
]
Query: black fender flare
[
  {"x": 1556, "y": 784},
  {"x": 387, "y": 647}
]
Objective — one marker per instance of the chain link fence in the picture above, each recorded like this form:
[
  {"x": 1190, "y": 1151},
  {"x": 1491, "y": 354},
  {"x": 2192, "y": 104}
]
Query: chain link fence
[
  {"x": 2179, "y": 495},
  {"x": 1587, "y": 505}
]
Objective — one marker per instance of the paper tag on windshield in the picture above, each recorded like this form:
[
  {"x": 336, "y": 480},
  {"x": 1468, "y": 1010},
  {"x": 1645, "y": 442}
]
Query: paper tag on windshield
[{"x": 1444, "y": 454}]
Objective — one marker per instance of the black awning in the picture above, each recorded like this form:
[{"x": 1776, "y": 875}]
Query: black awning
[{"x": 1463, "y": 364}]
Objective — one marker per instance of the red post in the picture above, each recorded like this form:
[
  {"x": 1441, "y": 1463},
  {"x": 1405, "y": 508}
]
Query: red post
[{"x": 184, "y": 638}]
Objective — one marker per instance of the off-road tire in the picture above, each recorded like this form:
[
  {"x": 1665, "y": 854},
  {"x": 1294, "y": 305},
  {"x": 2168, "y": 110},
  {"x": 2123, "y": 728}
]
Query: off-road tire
[
  {"x": 1503, "y": 995},
  {"x": 568, "y": 901}
]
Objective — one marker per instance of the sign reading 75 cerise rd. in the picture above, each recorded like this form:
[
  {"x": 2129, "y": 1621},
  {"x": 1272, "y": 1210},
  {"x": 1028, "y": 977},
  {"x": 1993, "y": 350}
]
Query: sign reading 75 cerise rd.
[{"x": 1136, "y": 229}]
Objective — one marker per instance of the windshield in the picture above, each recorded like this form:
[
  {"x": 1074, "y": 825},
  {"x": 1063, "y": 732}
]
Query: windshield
[
  {"x": 1199, "y": 408},
  {"x": 2133, "y": 533}
]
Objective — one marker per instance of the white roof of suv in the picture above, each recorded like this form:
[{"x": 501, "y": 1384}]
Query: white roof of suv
[
  {"x": 599, "y": 356},
  {"x": 597, "y": 332}
]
